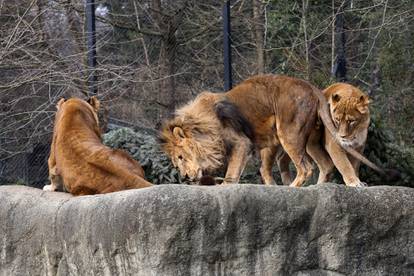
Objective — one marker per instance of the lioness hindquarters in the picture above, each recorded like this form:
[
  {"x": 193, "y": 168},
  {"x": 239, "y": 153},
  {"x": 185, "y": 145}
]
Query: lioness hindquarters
[{"x": 129, "y": 170}]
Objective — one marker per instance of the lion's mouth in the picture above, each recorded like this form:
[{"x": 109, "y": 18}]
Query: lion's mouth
[
  {"x": 349, "y": 142},
  {"x": 193, "y": 177}
]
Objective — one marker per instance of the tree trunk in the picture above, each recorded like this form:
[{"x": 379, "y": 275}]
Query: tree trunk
[
  {"x": 305, "y": 4},
  {"x": 167, "y": 70},
  {"x": 375, "y": 79},
  {"x": 258, "y": 22},
  {"x": 166, "y": 92}
]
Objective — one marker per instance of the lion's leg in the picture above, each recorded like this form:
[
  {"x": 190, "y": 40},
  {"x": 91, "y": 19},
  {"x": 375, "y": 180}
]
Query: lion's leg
[
  {"x": 356, "y": 162},
  {"x": 283, "y": 161},
  {"x": 320, "y": 156},
  {"x": 53, "y": 172},
  {"x": 267, "y": 155},
  {"x": 342, "y": 163},
  {"x": 300, "y": 158},
  {"x": 56, "y": 181},
  {"x": 237, "y": 160}
]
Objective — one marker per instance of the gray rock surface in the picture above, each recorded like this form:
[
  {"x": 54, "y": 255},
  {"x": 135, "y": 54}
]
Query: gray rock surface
[{"x": 226, "y": 230}]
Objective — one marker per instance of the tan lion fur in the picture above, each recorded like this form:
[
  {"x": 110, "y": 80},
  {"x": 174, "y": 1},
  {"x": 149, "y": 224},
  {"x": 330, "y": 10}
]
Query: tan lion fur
[
  {"x": 349, "y": 110},
  {"x": 194, "y": 119},
  {"x": 280, "y": 109},
  {"x": 79, "y": 163}
]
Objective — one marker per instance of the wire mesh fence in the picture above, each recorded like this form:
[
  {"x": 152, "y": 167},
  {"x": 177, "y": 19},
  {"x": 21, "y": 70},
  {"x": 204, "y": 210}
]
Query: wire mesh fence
[
  {"x": 154, "y": 55},
  {"x": 151, "y": 57}
]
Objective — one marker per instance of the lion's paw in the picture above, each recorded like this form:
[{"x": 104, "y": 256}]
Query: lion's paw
[
  {"x": 49, "y": 188},
  {"x": 362, "y": 184},
  {"x": 359, "y": 184}
]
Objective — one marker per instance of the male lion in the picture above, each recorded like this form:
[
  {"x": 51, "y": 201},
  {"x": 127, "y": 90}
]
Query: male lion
[
  {"x": 79, "y": 162},
  {"x": 263, "y": 112}
]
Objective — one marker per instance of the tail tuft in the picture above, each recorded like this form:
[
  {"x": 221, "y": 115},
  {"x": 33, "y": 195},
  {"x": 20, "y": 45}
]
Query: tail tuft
[{"x": 392, "y": 175}]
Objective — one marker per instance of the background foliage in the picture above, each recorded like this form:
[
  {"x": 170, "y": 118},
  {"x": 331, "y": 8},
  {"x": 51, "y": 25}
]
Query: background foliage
[
  {"x": 155, "y": 55},
  {"x": 381, "y": 148},
  {"x": 144, "y": 148}
]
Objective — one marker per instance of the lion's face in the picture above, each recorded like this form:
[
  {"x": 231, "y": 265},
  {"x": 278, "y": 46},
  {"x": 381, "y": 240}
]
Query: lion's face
[
  {"x": 186, "y": 160},
  {"x": 348, "y": 112},
  {"x": 193, "y": 151}
]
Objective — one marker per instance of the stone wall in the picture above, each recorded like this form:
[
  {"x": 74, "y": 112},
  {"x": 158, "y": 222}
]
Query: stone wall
[{"x": 224, "y": 230}]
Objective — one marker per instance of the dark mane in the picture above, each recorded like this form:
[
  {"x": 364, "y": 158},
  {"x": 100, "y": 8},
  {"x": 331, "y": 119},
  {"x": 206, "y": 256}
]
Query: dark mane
[{"x": 230, "y": 116}]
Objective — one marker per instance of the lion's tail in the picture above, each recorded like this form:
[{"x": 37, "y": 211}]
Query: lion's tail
[
  {"x": 140, "y": 182},
  {"x": 327, "y": 121}
]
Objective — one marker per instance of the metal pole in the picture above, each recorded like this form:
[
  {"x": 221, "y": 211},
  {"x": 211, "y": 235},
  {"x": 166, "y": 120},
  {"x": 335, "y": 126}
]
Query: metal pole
[
  {"x": 339, "y": 69},
  {"x": 228, "y": 82},
  {"x": 91, "y": 38}
]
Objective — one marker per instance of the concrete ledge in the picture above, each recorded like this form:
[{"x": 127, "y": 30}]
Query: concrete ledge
[{"x": 224, "y": 230}]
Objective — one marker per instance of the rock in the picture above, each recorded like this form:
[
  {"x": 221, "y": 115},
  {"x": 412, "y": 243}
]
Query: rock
[{"x": 327, "y": 229}]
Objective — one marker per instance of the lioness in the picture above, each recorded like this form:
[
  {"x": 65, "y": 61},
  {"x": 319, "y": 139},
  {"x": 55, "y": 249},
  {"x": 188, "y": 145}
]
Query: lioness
[
  {"x": 349, "y": 110},
  {"x": 348, "y": 107},
  {"x": 79, "y": 162},
  {"x": 263, "y": 112}
]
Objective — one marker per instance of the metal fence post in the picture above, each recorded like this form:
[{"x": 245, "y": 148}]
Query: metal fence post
[
  {"x": 339, "y": 70},
  {"x": 91, "y": 41},
  {"x": 228, "y": 82}
]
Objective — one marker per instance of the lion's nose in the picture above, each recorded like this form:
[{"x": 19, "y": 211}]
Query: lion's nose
[
  {"x": 199, "y": 173},
  {"x": 188, "y": 176}
]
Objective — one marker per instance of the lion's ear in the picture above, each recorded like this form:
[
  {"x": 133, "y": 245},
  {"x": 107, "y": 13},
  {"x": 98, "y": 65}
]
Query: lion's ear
[
  {"x": 362, "y": 106},
  {"x": 335, "y": 98},
  {"x": 178, "y": 133},
  {"x": 364, "y": 100},
  {"x": 59, "y": 103},
  {"x": 94, "y": 102}
]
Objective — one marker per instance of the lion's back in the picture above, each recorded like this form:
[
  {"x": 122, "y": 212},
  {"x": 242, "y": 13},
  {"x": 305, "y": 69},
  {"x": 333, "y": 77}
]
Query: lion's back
[
  {"x": 268, "y": 101},
  {"x": 86, "y": 165}
]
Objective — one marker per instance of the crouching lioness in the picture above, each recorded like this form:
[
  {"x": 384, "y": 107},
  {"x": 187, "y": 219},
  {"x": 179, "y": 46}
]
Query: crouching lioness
[
  {"x": 79, "y": 163},
  {"x": 263, "y": 112}
]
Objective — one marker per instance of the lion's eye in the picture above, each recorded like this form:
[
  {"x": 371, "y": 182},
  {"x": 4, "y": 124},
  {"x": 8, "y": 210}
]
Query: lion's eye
[
  {"x": 180, "y": 157},
  {"x": 351, "y": 122}
]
